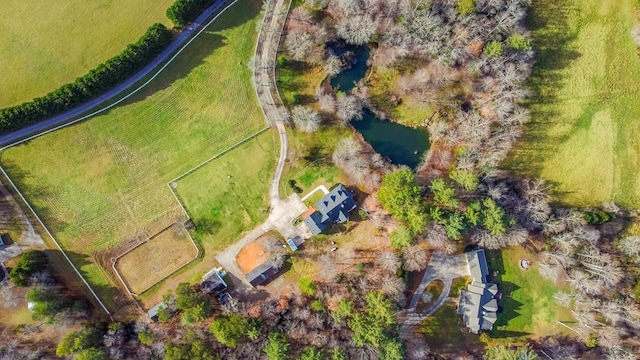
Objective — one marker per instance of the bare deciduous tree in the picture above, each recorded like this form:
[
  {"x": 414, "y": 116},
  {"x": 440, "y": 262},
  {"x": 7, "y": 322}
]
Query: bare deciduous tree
[
  {"x": 298, "y": 43},
  {"x": 349, "y": 108},
  {"x": 306, "y": 119},
  {"x": 414, "y": 258},
  {"x": 388, "y": 260},
  {"x": 630, "y": 246}
]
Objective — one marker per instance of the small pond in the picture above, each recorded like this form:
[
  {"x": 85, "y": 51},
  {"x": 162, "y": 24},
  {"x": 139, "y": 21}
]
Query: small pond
[
  {"x": 347, "y": 79},
  {"x": 402, "y": 144}
]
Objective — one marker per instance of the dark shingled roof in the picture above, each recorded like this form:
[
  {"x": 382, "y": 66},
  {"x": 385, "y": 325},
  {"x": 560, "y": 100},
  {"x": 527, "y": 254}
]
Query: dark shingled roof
[
  {"x": 262, "y": 274},
  {"x": 213, "y": 282},
  {"x": 334, "y": 207}
]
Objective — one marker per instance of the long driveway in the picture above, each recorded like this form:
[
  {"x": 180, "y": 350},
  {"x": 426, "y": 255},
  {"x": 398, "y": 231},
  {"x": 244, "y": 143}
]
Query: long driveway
[
  {"x": 282, "y": 211},
  {"x": 165, "y": 58}
]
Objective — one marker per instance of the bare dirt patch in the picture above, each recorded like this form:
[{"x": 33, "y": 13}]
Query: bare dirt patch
[
  {"x": 254, "y": 254},
  {"x": 157, "y": 258}
]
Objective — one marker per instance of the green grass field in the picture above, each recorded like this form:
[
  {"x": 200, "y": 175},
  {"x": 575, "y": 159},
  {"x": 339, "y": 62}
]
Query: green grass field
[
  {"x": 101, "y": 182},
  {"x": 230, "y": 194},
  {"x": 527, "y": 298},
  {"x": 585, "y": 131},
  {"x": 46, "y": 45}
]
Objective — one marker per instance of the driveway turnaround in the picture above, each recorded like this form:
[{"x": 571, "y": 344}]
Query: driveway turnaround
[{"x": 441, "y": 267}]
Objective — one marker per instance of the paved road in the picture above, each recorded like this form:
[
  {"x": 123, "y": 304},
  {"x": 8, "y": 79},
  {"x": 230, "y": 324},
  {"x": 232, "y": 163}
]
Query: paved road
[
  {"x": 165, "y": 58},
  {"x": 441, "y": 267}
]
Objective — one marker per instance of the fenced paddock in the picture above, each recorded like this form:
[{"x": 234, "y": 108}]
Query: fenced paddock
[
  {"x": 155, "y": 259},
  {"x": 101, "y": 184}
]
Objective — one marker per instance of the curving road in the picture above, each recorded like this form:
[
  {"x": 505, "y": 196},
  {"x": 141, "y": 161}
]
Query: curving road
[{"x": 163, "y": 60}]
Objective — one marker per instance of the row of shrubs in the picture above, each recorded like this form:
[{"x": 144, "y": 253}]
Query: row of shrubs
[
  {"x": 94, "y": 83},
  {"x": 183, "y": 12}
]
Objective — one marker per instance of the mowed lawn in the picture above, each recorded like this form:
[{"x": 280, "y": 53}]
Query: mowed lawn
[
  {"x": 585, "y": 131},
  {"x": 101, "y": 182},
  {"x": 528, "y": 307},
  {"x": 47, "y": 44}
]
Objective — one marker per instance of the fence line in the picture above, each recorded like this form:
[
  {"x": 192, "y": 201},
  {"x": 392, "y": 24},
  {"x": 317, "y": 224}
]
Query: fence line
[{"x": 22, "y": 197}]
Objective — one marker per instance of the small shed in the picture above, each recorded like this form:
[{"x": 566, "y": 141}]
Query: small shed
[
  {"x": 213, "y": 281},
  {"x": 153, "y": 312}
]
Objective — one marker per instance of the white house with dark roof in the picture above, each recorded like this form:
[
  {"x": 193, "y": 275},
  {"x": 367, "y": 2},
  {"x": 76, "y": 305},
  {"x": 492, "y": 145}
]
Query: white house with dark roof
[{"x": 478, "y": 304}]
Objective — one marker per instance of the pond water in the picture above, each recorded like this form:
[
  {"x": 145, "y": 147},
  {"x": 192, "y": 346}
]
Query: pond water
[
  {"x": 402, "y": 144},
  {"x": 346, "y": 80}
]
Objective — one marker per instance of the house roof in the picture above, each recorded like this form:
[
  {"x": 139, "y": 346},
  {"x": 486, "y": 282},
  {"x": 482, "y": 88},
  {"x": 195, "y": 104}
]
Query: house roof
[
  {"x": 315, "y": 223},
  {"x": 212, "y": 281},
  {"x": 334, "y": 207},
  {"x": 477, "y": 304},
  {"x": 262, "y": 274},
  {"x": 477, "y": 263}
]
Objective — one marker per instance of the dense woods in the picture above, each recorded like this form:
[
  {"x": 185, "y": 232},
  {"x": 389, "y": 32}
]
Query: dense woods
[{"x": 94, "y": 83}]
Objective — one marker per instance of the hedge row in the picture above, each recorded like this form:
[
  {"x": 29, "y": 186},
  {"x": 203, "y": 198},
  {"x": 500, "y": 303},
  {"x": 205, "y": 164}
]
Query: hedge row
[
  {"x": 183, "y": 12},
  {"x": 95, "y": 82}
]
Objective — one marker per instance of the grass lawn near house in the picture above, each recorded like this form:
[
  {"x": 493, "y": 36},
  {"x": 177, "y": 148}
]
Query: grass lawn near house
[
  {"x": 48, "y": 44},
  {"x": 584, "y": 136},
  {"x": 458, "y": 284},
  {"x": 310, "y": 161},
  {"x": 443, "y": 333},
  {"x": 528, "y": 307},
  {"x": 100, "y": 183}
]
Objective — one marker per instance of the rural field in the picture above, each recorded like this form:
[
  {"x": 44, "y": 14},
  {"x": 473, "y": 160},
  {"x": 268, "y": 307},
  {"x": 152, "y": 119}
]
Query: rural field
[
  {"x": 157, "y": 258},
  {"x": 584, "y": 136},
  {"x": 101, "y": 183},
  {"x": 44, "y": 47}
]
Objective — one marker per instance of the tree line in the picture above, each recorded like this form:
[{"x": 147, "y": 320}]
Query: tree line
[
  {"x": 183, "y": 12},
  {"x": 95, "y": 82}
]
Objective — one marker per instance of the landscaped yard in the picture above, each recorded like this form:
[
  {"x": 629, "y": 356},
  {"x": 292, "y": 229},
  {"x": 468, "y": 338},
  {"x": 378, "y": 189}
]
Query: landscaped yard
[
  {"x": 528, "y": 307},
  {"x": 430, "y": 295},
  {"x": 458, "y": 284},
  {"x": 46, "y": 45},
  {"x": 102, "y": 182},
  {"x": 584, "y": 136}
]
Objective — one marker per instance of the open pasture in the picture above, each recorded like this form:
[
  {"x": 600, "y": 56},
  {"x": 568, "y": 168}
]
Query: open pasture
[
  {"x": 102, "y": 183},
  {"x": 47, "y": 44},
  {"x": 584, "y": 136}
]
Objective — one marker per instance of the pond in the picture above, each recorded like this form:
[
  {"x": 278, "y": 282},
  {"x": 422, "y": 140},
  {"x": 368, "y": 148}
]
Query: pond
[
  {"x": 402, "y": 144},
  {"x": 346, "y": 80}
]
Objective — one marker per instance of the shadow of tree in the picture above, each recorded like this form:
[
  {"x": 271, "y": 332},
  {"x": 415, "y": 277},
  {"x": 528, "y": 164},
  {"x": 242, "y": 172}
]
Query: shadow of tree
[
  {"x": 553, "y": 40},
  {"x": 507, "y": 306}
]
